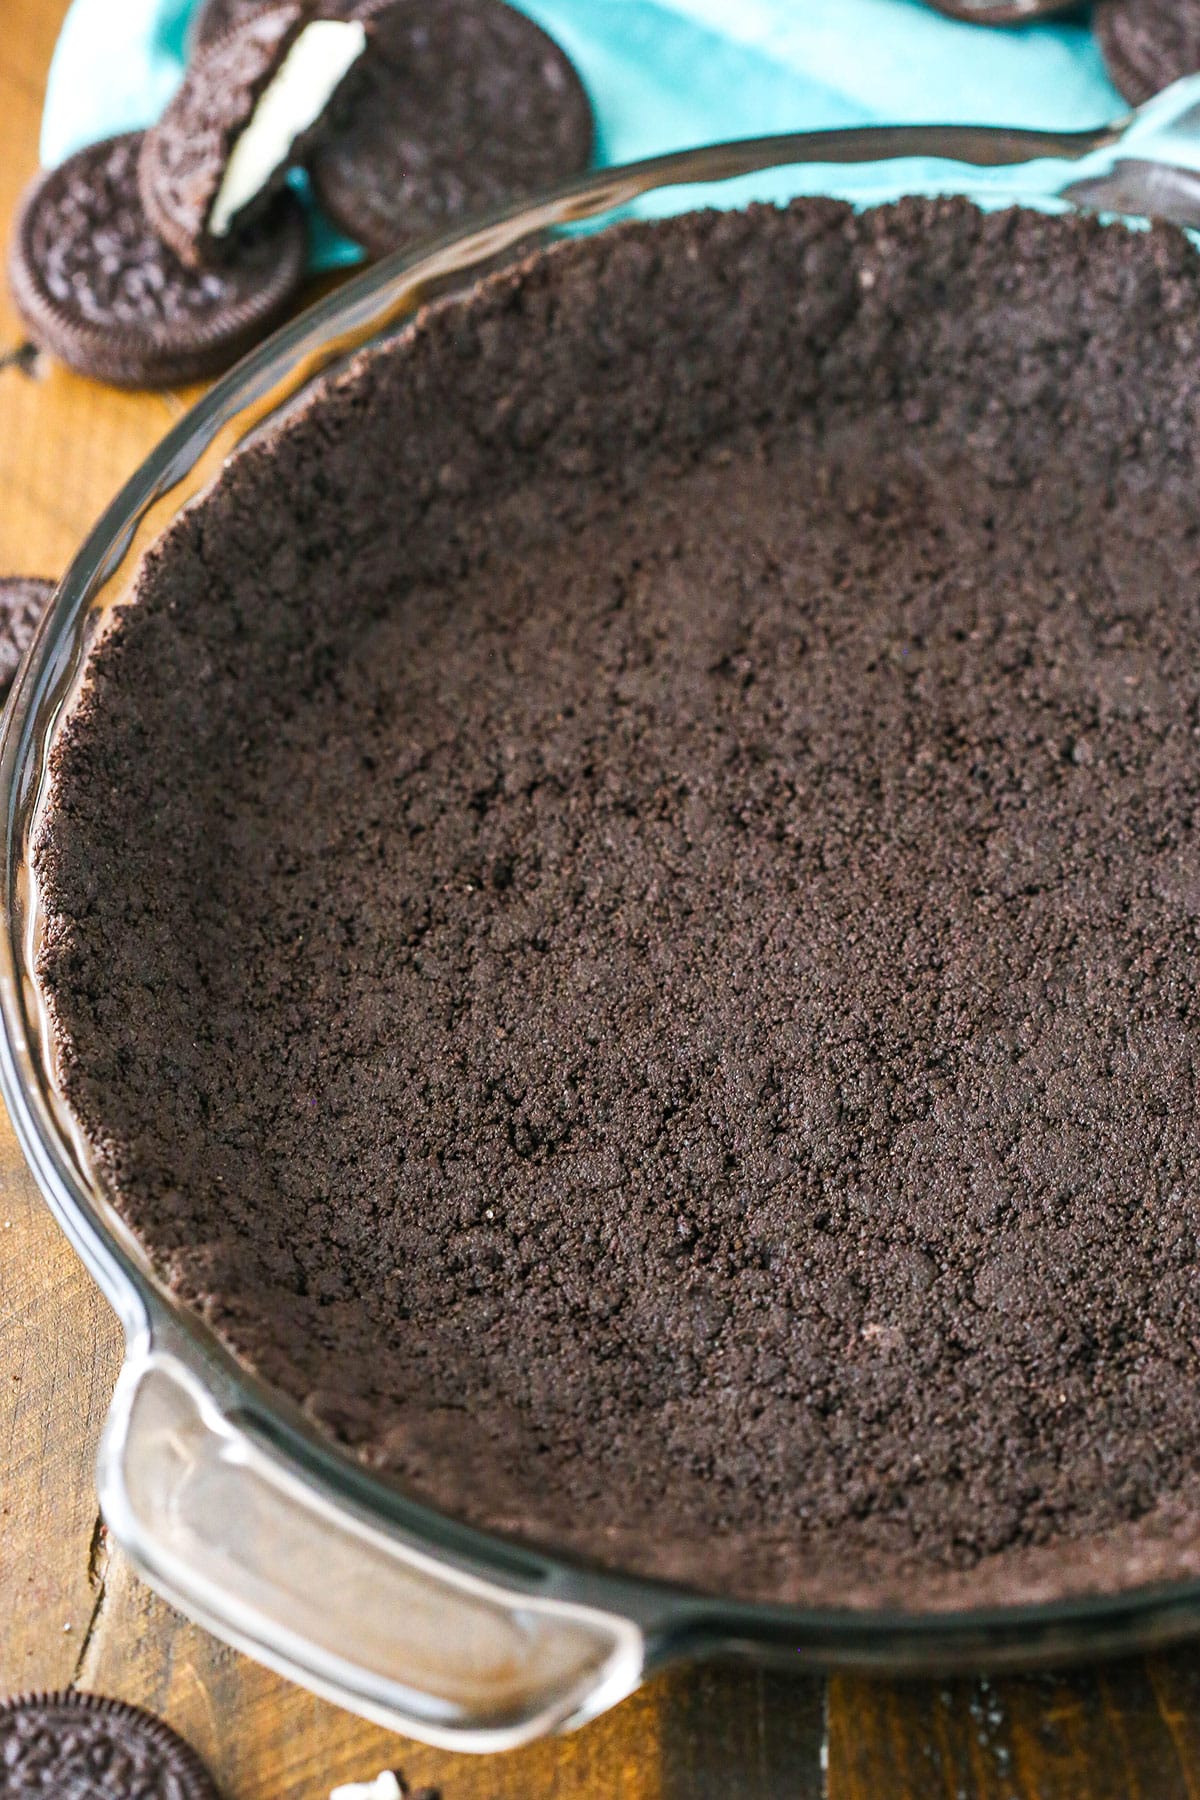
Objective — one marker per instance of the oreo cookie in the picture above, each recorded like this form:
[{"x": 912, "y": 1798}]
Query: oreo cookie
[
  {"x": 79, "y": 1744},
  {"x": 1148, "y": 44},
  {"x": 249, "y": 103},
  {"x": 23, "y": 600},
  {"x": 461, "y": 106},
  {"x": 95, "y": 284}
]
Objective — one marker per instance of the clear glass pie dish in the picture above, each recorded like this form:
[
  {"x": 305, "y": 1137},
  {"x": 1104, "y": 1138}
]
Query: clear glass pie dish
[{"x": 223, "y": 1494}]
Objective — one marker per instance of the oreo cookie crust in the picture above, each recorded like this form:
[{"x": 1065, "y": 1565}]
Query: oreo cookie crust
[
  {"x": 23, "y": 600},
  {"x": 80, "y": 1744},
  {"x": 249, "y": 105},
  {"x": 95, "y": 285},
  {"x": 651, "y": 981},
  {"x": 461, "y": 106},
  {"x": 1148, "y": 44}
]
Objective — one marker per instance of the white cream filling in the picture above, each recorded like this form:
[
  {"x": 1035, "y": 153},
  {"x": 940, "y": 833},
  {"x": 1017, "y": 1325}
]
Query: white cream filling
[
  {"x": 292, "y": 100},
  {"x": 384, "y": 1787}
]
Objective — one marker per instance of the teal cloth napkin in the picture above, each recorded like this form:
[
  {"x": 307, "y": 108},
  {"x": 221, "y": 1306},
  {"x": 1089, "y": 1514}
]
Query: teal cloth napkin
[{"x": 663, "y": 74}]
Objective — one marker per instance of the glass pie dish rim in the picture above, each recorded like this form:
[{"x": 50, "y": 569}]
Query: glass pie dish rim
[{"x": 672, "y": 1621}]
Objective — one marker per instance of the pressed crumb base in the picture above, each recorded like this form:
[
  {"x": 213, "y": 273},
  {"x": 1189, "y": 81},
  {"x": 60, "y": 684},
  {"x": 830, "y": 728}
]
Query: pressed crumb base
[{"x": 649, "y": 975}]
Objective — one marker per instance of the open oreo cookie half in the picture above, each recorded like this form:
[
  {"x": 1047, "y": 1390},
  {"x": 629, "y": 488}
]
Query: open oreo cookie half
[
  {"x": 1148, "y": 44},
  {"x": 249, "y": 105},
  {"x": 462, "y": 106}
]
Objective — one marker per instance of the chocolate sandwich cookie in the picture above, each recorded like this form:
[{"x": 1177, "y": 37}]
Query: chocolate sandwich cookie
[
  {"x": 463, "y": 105},
  {"x": 249, "y": 104},
  {"x": 1148, "y": 44},
  {"x": 73, "y": 1744},
  {"x": 96, "y": 286},
  {"x": 23, "y": 600}
]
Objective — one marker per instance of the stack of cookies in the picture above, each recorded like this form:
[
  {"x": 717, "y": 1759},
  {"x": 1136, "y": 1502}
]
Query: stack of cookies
[{"x": 158, "y": 257}]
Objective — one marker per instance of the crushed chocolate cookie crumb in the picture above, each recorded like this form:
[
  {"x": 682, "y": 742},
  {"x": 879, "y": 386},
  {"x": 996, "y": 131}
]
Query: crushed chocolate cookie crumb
[{"x": 624, "y": 906}]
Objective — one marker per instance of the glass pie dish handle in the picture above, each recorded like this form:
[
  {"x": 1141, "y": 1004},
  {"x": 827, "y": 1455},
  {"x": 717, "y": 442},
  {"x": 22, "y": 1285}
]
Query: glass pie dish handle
[{"x": 227, "y": 1532}]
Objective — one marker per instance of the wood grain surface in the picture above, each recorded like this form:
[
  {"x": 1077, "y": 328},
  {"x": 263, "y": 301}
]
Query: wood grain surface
[{"x": 71, "y": 1609}]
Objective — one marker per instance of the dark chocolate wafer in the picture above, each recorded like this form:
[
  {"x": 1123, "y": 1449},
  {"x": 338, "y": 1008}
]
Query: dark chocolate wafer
[
  {"x": 73, "y": 1744},
  {"x": 97, "y": 287},
  {"x": 462, "y": 106},
  {"x": 1148, "y": 44},
  {"x": 23, "y": 600}
]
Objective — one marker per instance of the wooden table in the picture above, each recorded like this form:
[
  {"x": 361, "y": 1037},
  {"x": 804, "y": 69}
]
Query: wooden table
[{"x": 71, "y": 1610}]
